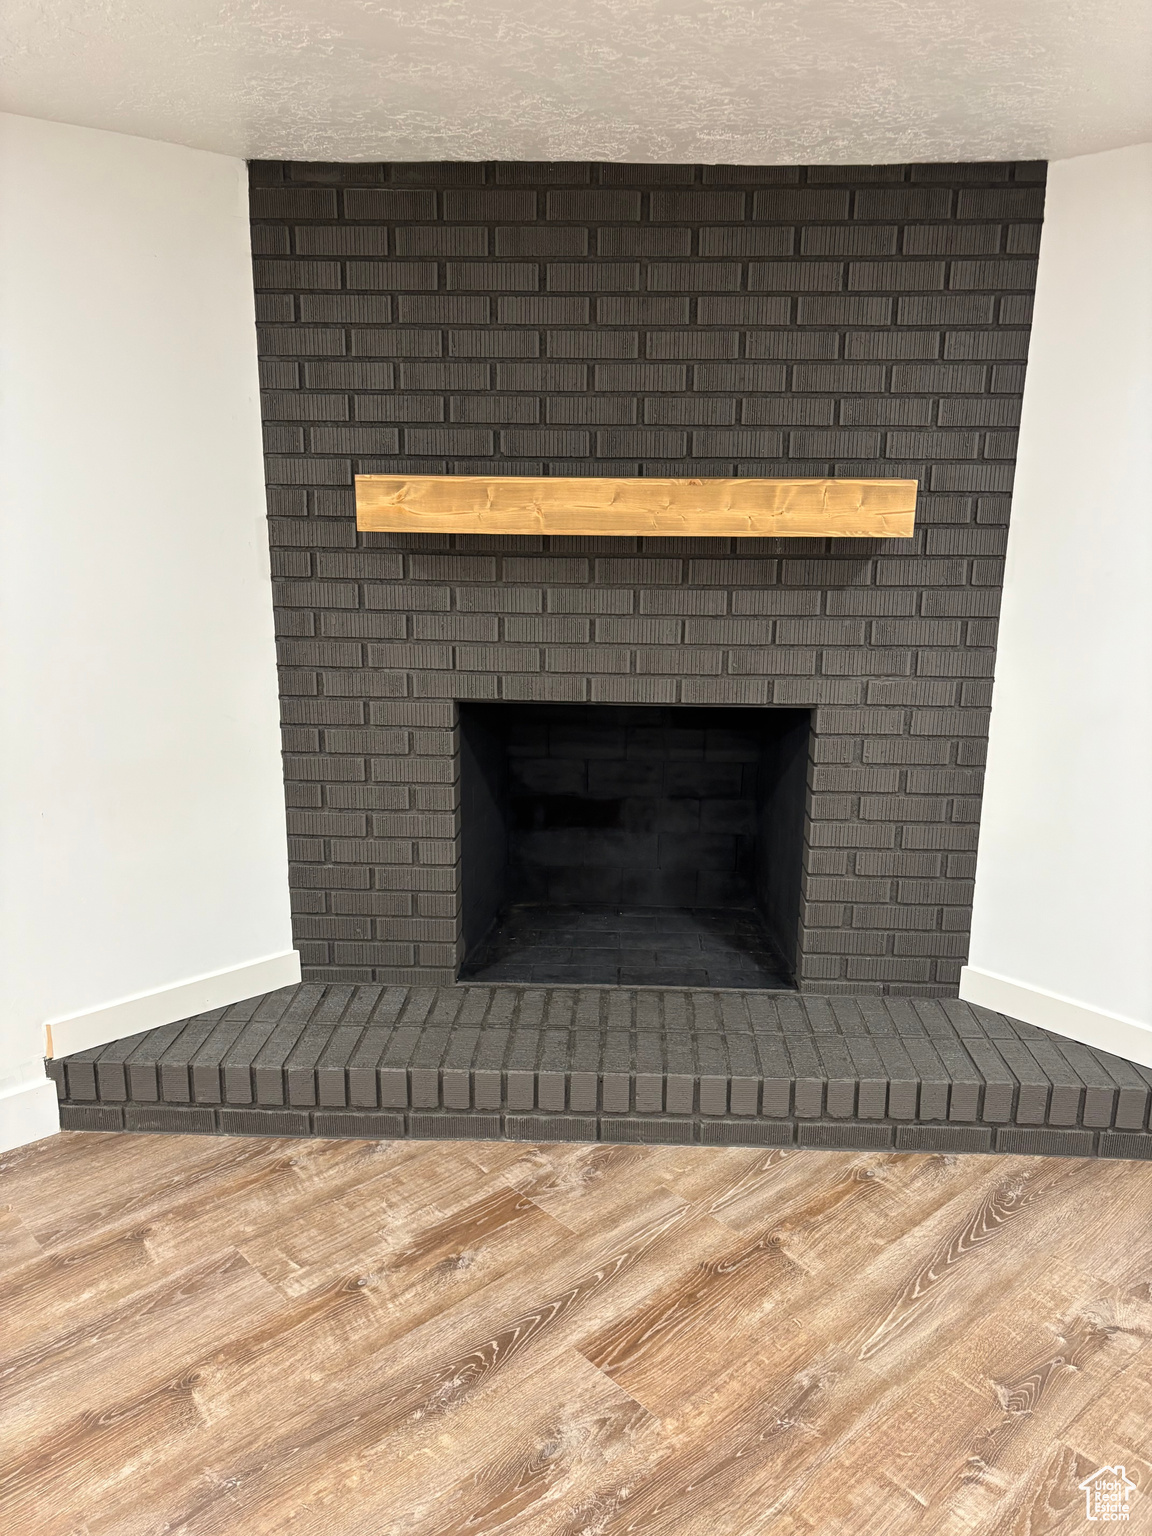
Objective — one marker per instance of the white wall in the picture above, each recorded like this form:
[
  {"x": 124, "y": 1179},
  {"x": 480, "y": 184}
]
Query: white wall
[
  {"x": 144, "y": 852},
  {"x": 1062, "y": 926}
]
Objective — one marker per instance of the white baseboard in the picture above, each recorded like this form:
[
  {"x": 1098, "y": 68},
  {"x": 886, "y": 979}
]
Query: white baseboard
[
  {"x": 1062, "y": 1015},
  {"x": 28, "y": 1111},
  {"x": 145, "y": 1010}
]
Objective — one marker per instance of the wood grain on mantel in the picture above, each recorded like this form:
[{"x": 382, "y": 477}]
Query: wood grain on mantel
[{"x": 799, "y": 509}]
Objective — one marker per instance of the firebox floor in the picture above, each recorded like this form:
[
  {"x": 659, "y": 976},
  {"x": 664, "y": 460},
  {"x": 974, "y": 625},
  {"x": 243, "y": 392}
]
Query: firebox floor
[{"x": 628, "y": 947}]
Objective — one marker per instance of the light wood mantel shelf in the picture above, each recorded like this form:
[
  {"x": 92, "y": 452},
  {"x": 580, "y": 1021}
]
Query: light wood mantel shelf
[{"x": 798, "y": 509}]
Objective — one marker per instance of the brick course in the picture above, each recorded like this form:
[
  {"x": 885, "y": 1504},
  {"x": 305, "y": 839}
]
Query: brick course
[{"x": 625, "y": 320}]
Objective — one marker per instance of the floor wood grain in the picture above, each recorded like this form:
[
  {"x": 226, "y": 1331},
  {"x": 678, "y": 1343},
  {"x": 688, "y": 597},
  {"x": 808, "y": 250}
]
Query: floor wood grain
[{"x": 218, "y": 1337}]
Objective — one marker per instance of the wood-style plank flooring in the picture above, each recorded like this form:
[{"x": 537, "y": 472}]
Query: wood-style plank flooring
[{"x": 231, "y": 1337}]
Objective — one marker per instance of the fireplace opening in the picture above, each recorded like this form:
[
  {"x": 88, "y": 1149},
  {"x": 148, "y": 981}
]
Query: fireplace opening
[{"x": 632, "y": 845}]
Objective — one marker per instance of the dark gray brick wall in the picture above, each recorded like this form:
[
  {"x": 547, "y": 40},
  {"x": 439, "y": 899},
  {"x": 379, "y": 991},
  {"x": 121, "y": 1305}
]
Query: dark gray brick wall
[{"x": 632, "y": 320}]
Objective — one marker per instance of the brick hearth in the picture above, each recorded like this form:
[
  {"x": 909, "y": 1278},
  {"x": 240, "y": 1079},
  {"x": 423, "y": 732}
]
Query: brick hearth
[{"x": 615, "y": 1064}]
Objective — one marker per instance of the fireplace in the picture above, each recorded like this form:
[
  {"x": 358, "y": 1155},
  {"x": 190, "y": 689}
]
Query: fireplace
[
  {"x": 638, "y": 846},
  {"x": 632, "y": 323}
]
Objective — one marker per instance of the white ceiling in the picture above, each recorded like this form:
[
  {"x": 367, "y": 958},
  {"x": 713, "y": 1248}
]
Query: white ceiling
[{"x": 738, "y": 81}]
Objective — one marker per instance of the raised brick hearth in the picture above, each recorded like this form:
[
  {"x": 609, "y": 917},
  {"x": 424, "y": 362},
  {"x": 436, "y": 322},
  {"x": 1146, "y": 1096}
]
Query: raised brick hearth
[
  {"x": 615, "y": 1064},
  {"x": 641, "y": 320}
]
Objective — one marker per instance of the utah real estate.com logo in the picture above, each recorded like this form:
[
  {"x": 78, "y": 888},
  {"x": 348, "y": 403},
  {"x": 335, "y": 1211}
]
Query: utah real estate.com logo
[{"x": 1108, "y": 1494}]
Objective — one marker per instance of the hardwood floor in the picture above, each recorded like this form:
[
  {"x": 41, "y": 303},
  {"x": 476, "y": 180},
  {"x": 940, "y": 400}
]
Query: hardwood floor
[{"x": 234, "y": 1336}]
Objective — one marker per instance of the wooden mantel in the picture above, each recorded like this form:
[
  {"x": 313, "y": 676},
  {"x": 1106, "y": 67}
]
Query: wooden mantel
[{"x": 797, "y": 509}]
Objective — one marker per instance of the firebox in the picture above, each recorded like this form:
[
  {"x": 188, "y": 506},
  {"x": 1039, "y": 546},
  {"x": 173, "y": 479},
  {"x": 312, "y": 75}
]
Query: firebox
[{"x": 636, "y": 845}]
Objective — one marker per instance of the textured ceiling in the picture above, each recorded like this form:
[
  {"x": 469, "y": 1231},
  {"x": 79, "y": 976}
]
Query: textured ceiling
[{"x": 755, "y": 81}]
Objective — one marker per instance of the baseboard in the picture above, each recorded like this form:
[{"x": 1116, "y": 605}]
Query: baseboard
[
  {"x": 1062, "y": 1015},
  {"x": 28, "y": 1112},
  {"x": 145, "y": 1010}
]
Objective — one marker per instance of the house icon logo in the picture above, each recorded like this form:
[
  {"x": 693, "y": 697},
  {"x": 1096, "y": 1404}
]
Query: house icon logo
[{"x": 1108, "y": 1494}]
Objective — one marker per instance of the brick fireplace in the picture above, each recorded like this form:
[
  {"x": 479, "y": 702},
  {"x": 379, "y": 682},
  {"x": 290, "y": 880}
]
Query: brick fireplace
[{"x": 640, "y": 320}]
